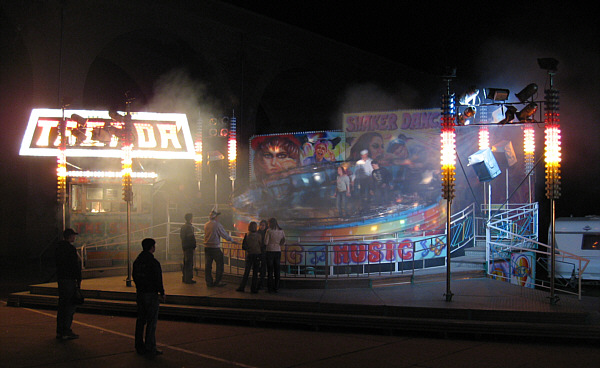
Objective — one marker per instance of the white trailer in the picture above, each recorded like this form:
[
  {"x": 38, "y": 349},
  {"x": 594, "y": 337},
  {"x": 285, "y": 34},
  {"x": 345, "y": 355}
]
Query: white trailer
[{"x": 579, "y": 236}]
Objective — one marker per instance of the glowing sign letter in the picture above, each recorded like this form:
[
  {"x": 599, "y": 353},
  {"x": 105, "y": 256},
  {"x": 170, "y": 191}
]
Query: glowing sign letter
[
  {"x": 46, "y": 125},
  {"x": 168, "y": 132},
  {"x": 145, "y": 133}
]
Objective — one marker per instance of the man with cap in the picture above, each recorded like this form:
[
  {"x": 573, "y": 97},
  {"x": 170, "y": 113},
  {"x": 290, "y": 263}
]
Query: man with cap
[
  {"x": 213, "y": 232},
  {"x": 68, "y": 274},
  {"x": 147, "y": 275},
  {"x": 362, "y": 175}
]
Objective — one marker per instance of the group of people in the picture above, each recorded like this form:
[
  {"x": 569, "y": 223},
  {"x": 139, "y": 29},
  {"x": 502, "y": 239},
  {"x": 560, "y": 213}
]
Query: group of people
[
  {"x": 262, "y": 244},
  {"x": 370, "y": 182},
  {"x": 150, "y": 292}
]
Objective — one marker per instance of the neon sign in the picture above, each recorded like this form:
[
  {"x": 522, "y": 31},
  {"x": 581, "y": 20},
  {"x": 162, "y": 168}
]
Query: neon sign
[{"x": 92, "y": 133}]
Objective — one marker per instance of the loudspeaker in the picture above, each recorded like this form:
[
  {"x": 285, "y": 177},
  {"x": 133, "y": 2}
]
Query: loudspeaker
[
  {"x": 504, "y": 154},
  {"x": 485, "y": 165}
]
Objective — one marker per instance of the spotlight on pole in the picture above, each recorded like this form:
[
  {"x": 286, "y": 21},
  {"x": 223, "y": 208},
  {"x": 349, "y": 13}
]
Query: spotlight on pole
[
  {"x": 549, "y": 64},
  {"x": 464, "y": 118},
  {"x": 527, "y": 112},
  {"x": 527, "y": 92},
  {"x": 509, "y": 115},
  {"x": 496, "y": 94},
  {"x": 469, "y": 98}
]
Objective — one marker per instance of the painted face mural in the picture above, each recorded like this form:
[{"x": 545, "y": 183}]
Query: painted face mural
[{"x": 275, "y": 154}]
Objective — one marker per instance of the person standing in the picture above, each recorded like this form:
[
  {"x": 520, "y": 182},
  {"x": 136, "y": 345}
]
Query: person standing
[
  {"x": 262, "y": 230},
  {"x": 380, "y": 184},
  {"x": 68, "y": 273},
  {"x": 274, "y": 239},
  {"x": 213, "y": 232},
  {"x": 342, "y": 191},
  {"x": 251, "y": 244},
  {"x": 147, "y": 275},
  {"x": 363, "y": 173},
  {"x": 188, "y": 244}
]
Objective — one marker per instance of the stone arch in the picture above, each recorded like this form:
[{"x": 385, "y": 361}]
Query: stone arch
[{"x": 133, "y": 62}]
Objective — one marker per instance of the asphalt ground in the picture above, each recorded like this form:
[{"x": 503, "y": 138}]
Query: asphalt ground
[{"x": 27, "y": 339}]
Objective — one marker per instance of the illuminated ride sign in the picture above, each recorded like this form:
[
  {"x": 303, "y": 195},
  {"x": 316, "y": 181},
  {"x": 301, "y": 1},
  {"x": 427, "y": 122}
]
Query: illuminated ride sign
[{"x": 95, "y": 134}]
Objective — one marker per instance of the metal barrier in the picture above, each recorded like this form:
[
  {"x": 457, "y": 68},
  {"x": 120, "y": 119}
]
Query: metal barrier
[
  {"x": 347, "y": 256},
  {"x": 513, "y": 250}
]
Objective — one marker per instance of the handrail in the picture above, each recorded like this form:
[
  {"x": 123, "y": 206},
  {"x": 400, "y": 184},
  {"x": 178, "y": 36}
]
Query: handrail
[
  {"x": 582, "y": 262},
  {"x": 418, "y": 249}
]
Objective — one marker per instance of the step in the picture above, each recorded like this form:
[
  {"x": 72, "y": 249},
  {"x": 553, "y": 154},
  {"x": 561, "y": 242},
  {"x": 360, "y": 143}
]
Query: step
[
  {"x": 370, "y": 317},
  {"x": 121, "y": 270}
]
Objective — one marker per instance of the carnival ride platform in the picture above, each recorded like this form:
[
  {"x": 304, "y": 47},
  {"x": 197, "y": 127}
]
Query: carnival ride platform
[{"x": 480, "y": 306}]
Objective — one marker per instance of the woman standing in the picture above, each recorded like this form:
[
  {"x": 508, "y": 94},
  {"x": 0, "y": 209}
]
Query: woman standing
[
  {"x": 251, "y": 244},
  {"x": 342, "y": 190},
  {"x": 274, "y": 239},
  {"x": 262, "y": 230}
]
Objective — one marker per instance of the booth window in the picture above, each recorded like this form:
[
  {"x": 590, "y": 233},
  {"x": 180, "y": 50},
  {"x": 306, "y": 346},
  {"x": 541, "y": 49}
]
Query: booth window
[
  {"x": 94, "y": 198},
  {"x": 591, "y": 242}
]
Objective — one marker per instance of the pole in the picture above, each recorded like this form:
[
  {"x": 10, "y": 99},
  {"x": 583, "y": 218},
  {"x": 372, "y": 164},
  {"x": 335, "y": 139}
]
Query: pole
[
  {"x": 553, "y": 297},
  {"x": 216, "y": 192},
  {"x": 128, "y": 281},
  {"x": 448, "y": 251}
]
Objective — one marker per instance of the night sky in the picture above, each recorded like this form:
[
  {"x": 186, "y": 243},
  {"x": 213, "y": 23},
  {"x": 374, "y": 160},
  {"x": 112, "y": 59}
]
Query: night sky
[{"x": 491, "y": 44}]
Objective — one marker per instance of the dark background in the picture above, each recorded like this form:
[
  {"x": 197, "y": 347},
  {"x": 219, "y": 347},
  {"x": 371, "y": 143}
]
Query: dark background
[{"x": 491, "y": 44}]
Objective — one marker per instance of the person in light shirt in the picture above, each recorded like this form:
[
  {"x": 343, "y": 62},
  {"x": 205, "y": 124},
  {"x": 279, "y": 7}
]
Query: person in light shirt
[
  {"x": 274, "y": 239},
  {"x": 213, "y": 232}
]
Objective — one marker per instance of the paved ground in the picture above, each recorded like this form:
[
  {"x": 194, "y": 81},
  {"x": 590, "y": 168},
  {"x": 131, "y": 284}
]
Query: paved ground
[
  {"x": 27, "y": 340},
  {"x": 27, "y": 335}
]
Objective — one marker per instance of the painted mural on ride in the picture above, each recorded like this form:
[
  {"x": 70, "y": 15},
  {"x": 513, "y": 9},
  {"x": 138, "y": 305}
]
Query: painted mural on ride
[{"x": 293, "y": 178}]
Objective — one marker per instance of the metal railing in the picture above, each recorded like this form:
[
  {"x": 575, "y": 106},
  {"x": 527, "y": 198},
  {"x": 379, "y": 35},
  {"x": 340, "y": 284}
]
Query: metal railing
[
  {"x": 303, "y": 256},
  {"x": 513, "y": 251},
  {"x": 364, "y": 255}
]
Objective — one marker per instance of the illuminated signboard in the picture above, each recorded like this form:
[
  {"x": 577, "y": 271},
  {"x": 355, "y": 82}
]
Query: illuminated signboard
[{"x": 95, "y": 134}]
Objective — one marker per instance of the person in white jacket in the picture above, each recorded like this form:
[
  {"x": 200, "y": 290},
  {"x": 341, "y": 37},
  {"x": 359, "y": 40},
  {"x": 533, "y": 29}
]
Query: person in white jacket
[
  {"x": 274, "y": 239},
  {"x": 213, "y": 232}
]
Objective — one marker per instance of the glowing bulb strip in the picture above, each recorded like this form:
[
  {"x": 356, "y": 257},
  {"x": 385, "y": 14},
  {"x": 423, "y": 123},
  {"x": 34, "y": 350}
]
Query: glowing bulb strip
[
  {"x": 126, "y": 165},
  {"x": 198, "y": 151},
  {"x": 110, "y": 174},
  {"x": 484, "y": 138},
  {"x": 448, "y": 154},
  {"x": 232, "y": 149},
  {"x": 529, "y": 148},
  {"x": 61, "y": 173},
  {"x": 552, "y": 154}
]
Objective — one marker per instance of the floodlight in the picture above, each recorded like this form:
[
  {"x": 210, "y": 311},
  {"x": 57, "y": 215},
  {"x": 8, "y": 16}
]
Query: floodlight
[
  {"x": 468, "y": 98},
  {"x": 463, "y": 119},
  {"x": 509, "y": 115},
  {"x": 496, "y": 94},
  {"x": 527, "y": 112},
  {"x": 527, "y": 92},
  {"x": 549, "y": 64}
]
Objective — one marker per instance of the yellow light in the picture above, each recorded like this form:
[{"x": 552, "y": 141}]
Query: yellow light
[
  {"x": 198, "y": 149},
  {"x": 552, "y": 154},
  {"x": 484, "y": 138},
  {"x": 232, "y": 150},
  {"x": 374, "y": 228}
]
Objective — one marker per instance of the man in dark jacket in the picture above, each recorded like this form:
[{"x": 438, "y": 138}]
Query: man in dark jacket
[
  {"x": 147, "y": 275},
  {"x": 68, "y": 273},
  {"x": 188, "y": 244}
]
